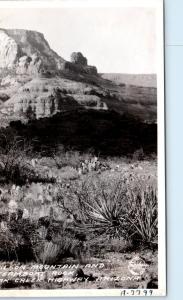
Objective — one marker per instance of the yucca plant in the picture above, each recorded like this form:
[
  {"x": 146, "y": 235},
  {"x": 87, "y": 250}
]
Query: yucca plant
[
  {"x": 142, "y": 216},
  {"x": 51, "y": 252},
  {"x": 118, "y": 209},
  {"x": 102, "y": 207}
]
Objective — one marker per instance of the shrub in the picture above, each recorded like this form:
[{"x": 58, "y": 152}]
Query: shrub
[
  {"x": 17, "y": 173},
  {"x": 67, "y": 158},
  {"x": 17, "y": 242},
  {"x": 138, "y": 154},
  {"x": 69, "y": 173},
  {"x": 7, "y": 245},
  {"x": 102, "y": 207},
  {"x": 48, "y": 252},
  {"x": 142, "y": 217},
  {"x": 13, "y": 165},
  {"x": 58, "y": 246},
  {"x": 118, "y": 209}
]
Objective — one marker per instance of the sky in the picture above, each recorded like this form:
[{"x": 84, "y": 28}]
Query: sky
[{"x": 114, "y": 39}]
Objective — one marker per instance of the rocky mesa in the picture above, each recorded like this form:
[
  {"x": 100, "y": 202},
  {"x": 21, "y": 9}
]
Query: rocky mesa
[
  {"x": 32, "y": 76},
  {"x": 28, "y": 52}
]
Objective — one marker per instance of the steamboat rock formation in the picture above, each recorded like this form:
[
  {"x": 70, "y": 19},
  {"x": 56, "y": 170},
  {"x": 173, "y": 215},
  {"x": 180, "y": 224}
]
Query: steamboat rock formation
[
  {"x": 79, "y": 64},
  {"x": 78, "y": 58}
]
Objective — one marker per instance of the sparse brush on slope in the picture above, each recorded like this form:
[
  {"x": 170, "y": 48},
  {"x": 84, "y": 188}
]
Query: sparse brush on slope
[{"x": 15, "y": 166}]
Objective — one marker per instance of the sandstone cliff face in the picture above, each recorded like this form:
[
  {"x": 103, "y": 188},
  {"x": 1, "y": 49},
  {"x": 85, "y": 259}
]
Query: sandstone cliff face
[
  {"x": 9, "y": 51},
  {"x": 28, "y": 72},
  {"x": 27, "y": 51},
  {"x": 39, "y": 106},
  {"x": 43, "y": 97}
]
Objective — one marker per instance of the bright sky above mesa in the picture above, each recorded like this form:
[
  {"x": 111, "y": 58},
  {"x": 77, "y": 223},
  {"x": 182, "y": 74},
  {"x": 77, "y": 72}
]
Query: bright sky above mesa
[{"x": 116, "y": 40}]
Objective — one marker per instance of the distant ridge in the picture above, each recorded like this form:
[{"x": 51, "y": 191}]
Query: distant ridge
[{"x": 144, "y": 80}]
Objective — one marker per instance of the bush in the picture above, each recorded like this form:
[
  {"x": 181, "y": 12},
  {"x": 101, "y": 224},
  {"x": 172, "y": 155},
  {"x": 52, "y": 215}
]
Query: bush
[
  {"x": 57, "y": 243},
  {"x": 102, "y": 207},
  {"x": 17, "y": 172},
  {"x": 67, "y": 158},
  {"x": 16, "y": 242},
  {"x": 142, "y": 217},
  {"x": 13, "y": 165},
  {"x": 118, "y": 209},
  {"x": 138, "y": 154},
  {"x": 14, "y": 162}
]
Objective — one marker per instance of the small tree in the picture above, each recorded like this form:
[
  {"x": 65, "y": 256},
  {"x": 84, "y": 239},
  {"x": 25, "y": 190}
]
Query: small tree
[
  {"x": 30, "y": 113},
  {"x": 13, "y": 152}
]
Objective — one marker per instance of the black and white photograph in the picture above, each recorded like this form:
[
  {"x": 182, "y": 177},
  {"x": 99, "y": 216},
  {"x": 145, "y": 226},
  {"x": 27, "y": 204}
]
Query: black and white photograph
[{"x": 82, "y": 162}]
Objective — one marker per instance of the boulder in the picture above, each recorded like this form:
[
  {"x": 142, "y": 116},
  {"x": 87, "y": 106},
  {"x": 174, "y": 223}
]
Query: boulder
[{"x": 4, "y": 97}]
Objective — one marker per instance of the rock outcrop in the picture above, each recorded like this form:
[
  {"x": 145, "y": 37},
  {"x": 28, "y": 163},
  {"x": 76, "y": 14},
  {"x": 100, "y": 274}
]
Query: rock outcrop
[
  {"x": 9, "y": 51},
  {"x": 80, "y": 69},
  {"x": 27, "y": 51},
  {"x": 78, "y": 58},
  {"x": 80, "y": 62},
  {"x": 38, "y": 106},
  {"x": 43, "y": 97},
  {"x": 29, "y": 64},
  {"x": 28, "y": 72}
]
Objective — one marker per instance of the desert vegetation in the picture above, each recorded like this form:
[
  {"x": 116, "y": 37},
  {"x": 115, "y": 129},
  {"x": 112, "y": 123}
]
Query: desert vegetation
[{"x": 76, "y": 207}]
